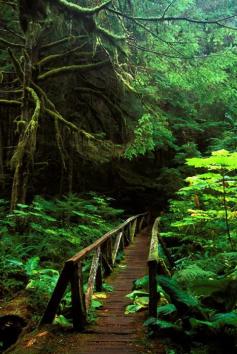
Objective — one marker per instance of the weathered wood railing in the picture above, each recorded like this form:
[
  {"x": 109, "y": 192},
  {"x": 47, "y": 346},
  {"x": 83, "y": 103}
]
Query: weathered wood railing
[
  {"x": 104, "y": 250},
  {"x": 156, "y": 265},
  {"x": 153, "y": 263}
]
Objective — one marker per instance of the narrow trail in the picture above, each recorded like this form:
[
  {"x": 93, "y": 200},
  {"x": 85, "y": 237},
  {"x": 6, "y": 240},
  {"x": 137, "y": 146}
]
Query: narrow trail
[{"x": 114, "y": 332}]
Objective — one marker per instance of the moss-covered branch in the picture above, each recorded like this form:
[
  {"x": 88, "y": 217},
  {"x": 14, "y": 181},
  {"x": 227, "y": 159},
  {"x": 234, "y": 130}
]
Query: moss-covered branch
[
  {"x": 27, "y": 142},
  {"x": 57, "y": 115},
  {"x": 10, "y": 102},
  {"x": 77, "y": 9},
  {"x": 10, "y": 44},
  {"x": 61, "y": 41},
  {"x": 37, "y": 104},
  {"x": 43, "y": 95},
  {"x": 118, "y": 116},
  {"x": 71, "y": 68},
  {"x": 16, "y": 65},
  {"x": 109, "y": 35},
  {"x": 52, "y": 57},
  {"x": 86, "y": 144}
]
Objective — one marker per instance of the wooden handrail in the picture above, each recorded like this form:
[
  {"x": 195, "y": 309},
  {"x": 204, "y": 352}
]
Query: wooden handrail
[
  {"x": 82, "y": 254},
  {"x": 156, "y": 265},
  {"x": 105, "y": 251},
  {"x": 153, "y": 262}
]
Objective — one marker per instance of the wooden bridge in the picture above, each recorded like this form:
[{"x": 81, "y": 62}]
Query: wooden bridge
[{"x": 114, "y": 332}]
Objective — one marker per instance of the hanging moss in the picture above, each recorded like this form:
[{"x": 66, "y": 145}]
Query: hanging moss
[{"x": 86, "y": 144}]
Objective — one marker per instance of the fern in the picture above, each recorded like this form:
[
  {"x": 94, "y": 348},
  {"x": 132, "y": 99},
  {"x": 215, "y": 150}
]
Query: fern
[
  {"x": 166, "y": 310},
  {"x": 185, "y": 303}
]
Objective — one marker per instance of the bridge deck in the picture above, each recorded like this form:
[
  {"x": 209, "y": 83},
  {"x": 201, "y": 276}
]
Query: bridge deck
[{"x": 114, "y": 332}]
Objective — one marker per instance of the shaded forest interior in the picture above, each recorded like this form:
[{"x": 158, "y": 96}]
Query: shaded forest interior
[{"x": 108, "y": 109}]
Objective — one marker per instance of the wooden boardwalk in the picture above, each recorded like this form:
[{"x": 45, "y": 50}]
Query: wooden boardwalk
[{"x": 114, "y": 332}]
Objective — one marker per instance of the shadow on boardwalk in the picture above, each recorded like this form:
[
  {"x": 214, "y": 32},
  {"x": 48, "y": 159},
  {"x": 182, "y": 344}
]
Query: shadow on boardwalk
[{"x": 114, "y": 332}]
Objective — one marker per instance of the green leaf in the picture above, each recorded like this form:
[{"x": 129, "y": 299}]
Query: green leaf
[{"x": 133, "y": 308}]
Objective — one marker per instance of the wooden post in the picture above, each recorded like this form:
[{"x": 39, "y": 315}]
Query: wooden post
[
  {"x": 126, "y": 236},
  {"x": 121, "y": 244},
  {"x": 92, "y": 278},
  {"x": 153, "y": 260},
  {"x": 132, "y": 229},
  {"x": 153, "y": 294},
  {"x": 109, "y": 251},
  {"x": 141, "y": 223},
  {"x": 106, "y": 259},
  {"x": 116, "y": 247},
  {"x": 99, "y": 276},
  {"x": 78, "y": 298},
  {"x": 57, "y": 295}
]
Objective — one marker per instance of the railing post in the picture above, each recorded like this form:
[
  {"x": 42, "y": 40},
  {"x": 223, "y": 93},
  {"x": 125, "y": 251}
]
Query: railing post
[
  {"x": 92, "y": 278},
  {"x": 126, "y": 236},
  {"x": 141, "y": 223},
  {"x": 99, "y": 276},
  {"x": 153, "y": 261},
  {"x": 132, "y": 229},
  {"x": 121, "y": 244},
  {"x": 116, "y": 247},
  {"x": 106, "y": 251},
  {"x": 78, "y": 298},
  {"x": 57, "y": 295},
  {"x": 153, "y": 294}
]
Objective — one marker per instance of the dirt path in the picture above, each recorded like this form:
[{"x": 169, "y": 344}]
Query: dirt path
[{"x": 114, "y": 332}]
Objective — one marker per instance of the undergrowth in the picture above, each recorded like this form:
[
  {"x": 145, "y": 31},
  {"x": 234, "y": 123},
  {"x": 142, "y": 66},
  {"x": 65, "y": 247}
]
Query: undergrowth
[
  {"x": 45, "y": 234},
  {"x": 198, "y": 303}
]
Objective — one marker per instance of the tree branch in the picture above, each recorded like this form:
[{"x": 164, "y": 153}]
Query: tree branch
[
  {"x": 173, "y": 18},
  {"x": 10, "y": 102},
  {"x": 17, "y": 65},
  {"x": 59, "y": 55},
  {"x": 72, "y": 68},
  {"x": 168, "y": 7},
  {"x": 3, "y": 27},
  {"x": 77, "y": 9},
  {"x": 36, "y": 99},
  {"x": 61, "y": 41},
  {"x": 10, "y": 44}
]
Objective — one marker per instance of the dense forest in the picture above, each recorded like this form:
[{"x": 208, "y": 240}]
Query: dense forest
[{"x": 110, "y": 108}]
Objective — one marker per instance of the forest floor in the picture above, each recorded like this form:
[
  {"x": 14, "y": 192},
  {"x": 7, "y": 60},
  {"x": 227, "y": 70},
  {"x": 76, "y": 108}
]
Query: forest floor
[{"x": 113, "y": 332}]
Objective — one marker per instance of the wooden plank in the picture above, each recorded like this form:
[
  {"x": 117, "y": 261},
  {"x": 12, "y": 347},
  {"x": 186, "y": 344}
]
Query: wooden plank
[
  {"x": 116, "y": 247},
  {"x": 82, "y": 254},
  {"x": 78, "y": 298},
  {"x": 57, "y": 295},
  {"x": 92, "y": 278}
]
